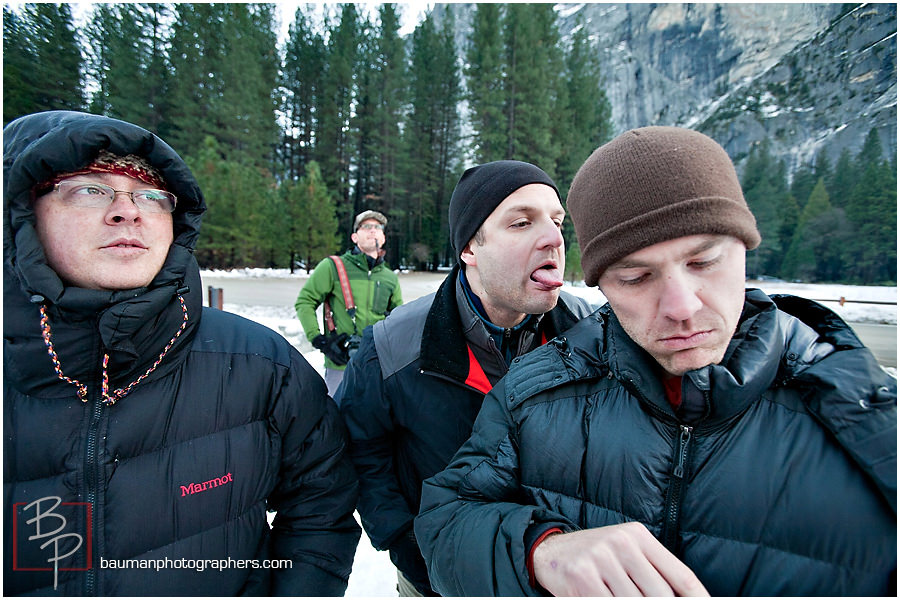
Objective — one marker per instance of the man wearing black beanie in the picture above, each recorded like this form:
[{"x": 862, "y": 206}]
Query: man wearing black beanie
[{"x": 411, "y": 393}]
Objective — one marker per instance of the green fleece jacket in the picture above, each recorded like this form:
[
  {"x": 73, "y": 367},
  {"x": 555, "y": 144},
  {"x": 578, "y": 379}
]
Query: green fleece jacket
[{"x": 376, "y": 292}]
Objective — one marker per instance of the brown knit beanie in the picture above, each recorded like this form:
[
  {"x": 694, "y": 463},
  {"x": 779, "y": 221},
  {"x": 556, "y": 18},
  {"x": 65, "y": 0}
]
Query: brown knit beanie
[{"x": 652, "y": 185}]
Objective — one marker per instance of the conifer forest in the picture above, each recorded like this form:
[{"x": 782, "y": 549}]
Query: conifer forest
[{"x": 291, "y": 136}]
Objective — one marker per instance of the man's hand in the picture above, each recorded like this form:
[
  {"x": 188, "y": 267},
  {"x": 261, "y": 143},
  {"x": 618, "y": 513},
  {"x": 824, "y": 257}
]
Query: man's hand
[
  {"x": 618, "y": 560},
  {"x": 334, "y": 347}
]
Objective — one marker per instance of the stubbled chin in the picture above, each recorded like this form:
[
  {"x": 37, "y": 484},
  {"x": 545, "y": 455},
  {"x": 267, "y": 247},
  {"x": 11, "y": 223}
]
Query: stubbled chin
[{"x": 682, "y": 361}]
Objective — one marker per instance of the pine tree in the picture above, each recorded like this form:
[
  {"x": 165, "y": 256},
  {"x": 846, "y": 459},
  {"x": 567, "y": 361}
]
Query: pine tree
[
  {"x": 431, "y": 138},
  {"x": 301, "y": 82},
  {"x": 225, "y": 71},
  {"x": 574, "y": 272},
  {"x": 311, "y": 215},
  {"x": 872, "y": 211},
  {"x": 449, "y": 94},
  {"x": 385, "y": 91},
  {"x": 871, "y": 253},
  {"x": 194, "y": 85},
  {"x": 363, "y": 123},
  {"x": 871, "y": 151},
  {"x": 534, "y": 64},
  {"x": 46, "y": 70},
  {"x": 765, "y": 190},
  {"x": 812, "y": 248},
  {"x": 119, "y": 56},
  {"x": 238, "y": 196},
  {"x": 249, "y": 65},
  {"x": 485, "y": 78},
  {"x": 19, "y": 90},
  {"x": 842, "y": 180},
  {"x": 155, "y": 76},
  {"x": 788, "y": 214},
  {"x": 822, "y": 167},
  {"x": 334, "y": 147},
  {"x": 586, "y": 118},
  {"x": 802, "y": 184}
]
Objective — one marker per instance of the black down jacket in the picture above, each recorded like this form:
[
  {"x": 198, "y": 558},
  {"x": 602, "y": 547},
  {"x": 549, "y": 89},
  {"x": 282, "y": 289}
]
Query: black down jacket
[
  {"x": 410, "y": 396},
  {"x": 182, "y": 469},
  {"x": 785, "y": 487}
]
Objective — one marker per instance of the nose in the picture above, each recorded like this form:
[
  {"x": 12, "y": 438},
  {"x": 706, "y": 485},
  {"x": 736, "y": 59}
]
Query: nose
[
  {"x": 679, "y": 300},
  {"x": 122, "y": 208},
  {"x": 551, "y": 236}
]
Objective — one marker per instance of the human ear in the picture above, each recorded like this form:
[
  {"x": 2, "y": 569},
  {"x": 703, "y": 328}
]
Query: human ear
[{"x": 467, "y": 256}]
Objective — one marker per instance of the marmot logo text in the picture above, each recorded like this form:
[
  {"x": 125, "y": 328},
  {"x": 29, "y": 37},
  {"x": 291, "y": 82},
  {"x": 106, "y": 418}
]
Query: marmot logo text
[{"x": 193, "y": 488}]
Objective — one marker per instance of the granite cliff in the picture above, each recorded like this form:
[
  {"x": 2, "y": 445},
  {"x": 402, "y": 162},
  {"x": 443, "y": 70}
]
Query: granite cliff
[{"x": 806, "y": 76}]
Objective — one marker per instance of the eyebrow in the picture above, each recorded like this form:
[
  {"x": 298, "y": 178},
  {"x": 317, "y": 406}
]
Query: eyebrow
[
  {"x": 105, "y": 177},
  {"x": 530, "y": 208},
  {"x": 703, "y": 246}
]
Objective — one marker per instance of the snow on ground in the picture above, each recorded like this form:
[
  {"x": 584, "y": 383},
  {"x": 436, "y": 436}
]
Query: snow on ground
[
  {"x": 373, "y": 574},
  {"x": 284, "y": 320}
]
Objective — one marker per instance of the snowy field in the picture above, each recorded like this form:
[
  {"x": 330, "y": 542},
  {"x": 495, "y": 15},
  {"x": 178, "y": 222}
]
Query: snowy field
[
  {"x": 283, "y": 319},
  {"x": 275, "y": 290}
]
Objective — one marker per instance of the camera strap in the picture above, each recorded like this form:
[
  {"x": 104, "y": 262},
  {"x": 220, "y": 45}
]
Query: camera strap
[{"x": 346, "y": 291}]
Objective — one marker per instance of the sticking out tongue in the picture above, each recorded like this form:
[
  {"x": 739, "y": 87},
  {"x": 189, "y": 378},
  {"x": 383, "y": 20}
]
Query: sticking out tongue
[{"x": 547, "y": 277}]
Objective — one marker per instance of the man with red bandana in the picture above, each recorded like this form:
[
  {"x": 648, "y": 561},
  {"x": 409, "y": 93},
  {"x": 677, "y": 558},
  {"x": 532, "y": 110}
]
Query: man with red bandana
[
  {"x": 141, "y": 430},
  {"x": 411, "y": 393}
]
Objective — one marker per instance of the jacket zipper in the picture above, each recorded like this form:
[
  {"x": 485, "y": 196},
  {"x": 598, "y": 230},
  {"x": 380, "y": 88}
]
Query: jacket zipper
[
  {"x": 450, "y": 379},
  {"x": 92, "y": 481},
  {"x": 675, "y": 495}
]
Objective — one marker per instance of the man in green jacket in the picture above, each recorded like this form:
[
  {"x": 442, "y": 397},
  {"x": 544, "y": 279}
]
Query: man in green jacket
[{"x": 375, "y": 290}]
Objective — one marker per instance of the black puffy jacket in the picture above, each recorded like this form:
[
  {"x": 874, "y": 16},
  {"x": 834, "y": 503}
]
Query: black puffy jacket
[
  {"x": 233, "y": 422},
  {"x": 410, "y": 396},
  {"x": 786, "y": 486}
]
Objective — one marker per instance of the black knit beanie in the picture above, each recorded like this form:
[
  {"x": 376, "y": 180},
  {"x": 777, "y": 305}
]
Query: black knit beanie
[
  {"x": 481, "y": 189},
  {"x": 652, "y": 185}
]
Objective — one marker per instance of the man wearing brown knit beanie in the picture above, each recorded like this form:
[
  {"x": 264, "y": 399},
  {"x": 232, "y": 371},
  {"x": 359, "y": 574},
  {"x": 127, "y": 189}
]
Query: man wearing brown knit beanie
[{"x": 691, "y": 437}]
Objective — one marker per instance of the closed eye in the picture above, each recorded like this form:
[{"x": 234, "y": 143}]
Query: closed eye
[
  {"x": 636, "y": 280},
  {"x": 704, "y": 264}
]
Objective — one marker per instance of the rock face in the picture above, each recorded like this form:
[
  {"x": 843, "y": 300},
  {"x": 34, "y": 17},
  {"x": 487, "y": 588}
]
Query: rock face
[{"x": 806, "y": 76}]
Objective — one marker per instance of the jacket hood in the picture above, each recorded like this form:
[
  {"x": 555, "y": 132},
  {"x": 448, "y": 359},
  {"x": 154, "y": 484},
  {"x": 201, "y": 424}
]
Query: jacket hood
[{"x": 36, "y": 147}]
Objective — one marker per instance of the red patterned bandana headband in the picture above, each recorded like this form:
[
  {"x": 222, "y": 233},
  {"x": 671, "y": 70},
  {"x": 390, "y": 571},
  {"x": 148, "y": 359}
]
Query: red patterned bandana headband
[{"x": 106, "y": 162}]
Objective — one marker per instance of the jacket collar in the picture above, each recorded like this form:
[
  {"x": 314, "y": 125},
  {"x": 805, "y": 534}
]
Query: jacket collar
[
  {"x": 452, "y": 327},
  {"x": 444, "y": 348},
  {"x": 365, "y": 261},
  {"x": 769, "y": 347}
]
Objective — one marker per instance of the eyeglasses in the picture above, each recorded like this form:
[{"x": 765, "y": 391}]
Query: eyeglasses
[
  {"x": 85, "y": 194},
  {"x": 370, "y": 226}
]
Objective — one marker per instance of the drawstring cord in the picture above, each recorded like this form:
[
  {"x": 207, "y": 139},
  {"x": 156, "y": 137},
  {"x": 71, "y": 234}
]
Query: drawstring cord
[{"x": 109, "y": 398}]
